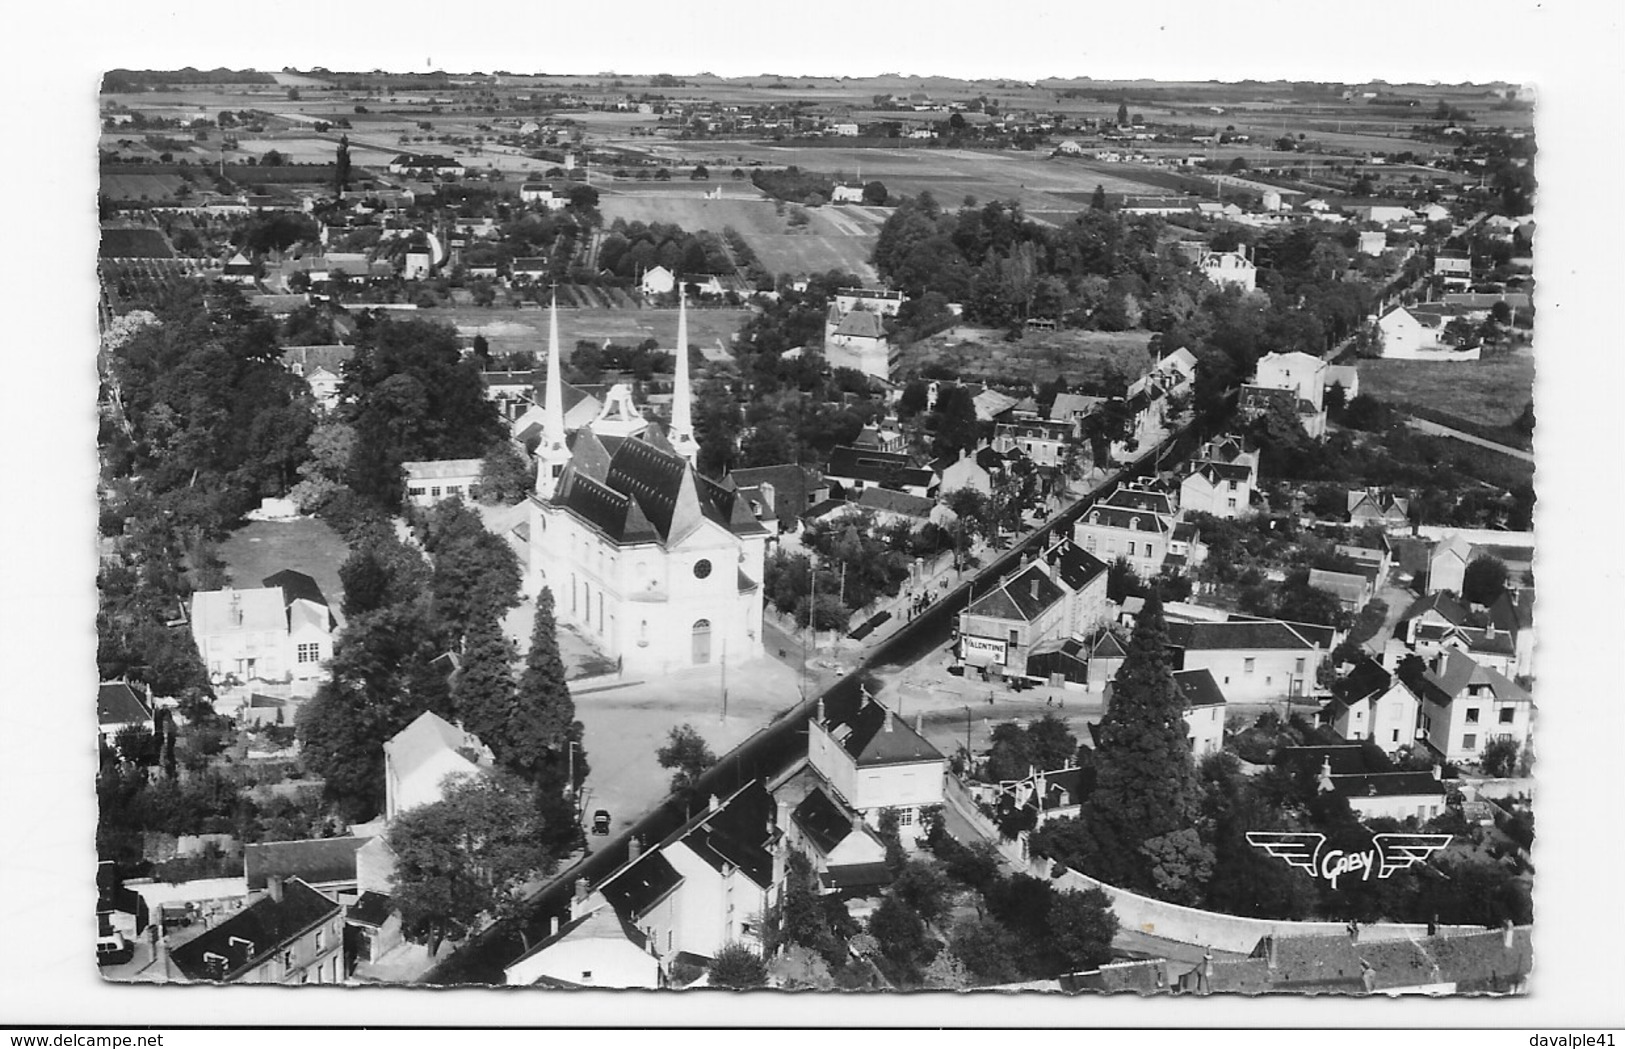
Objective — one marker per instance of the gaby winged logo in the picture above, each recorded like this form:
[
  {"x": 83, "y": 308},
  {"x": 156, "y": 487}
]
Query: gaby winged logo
[{"x": 1306, "y": 851}]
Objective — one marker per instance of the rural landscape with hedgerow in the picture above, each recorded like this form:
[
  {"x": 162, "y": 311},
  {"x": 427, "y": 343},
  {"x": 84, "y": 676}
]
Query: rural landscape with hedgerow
[{"x": 657, "y": 531}]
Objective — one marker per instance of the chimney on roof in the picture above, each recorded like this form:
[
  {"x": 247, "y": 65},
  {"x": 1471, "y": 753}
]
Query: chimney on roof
[
  {"x": 714, "y": 804},
  {"x": 1324, "y": 786},
  {"x": 1354, "y": 931},
  {"x": 554, "y": 929},
  {"x": 1032, "y": 587},
  {"x": 1269, "y": 951},
  {"x": 819, "y": 718},
  {"x": 1433, "y": 925},
  {"x": 1204, "y": 975},
  {"x": 273, "y": 885},
  {"x": 581, "y": 890},
  {"x": 1368, "y": 977},
  {"x": 919, "y": 724},
  {"x": 1506, "y": 933},
  {"x": 1438, "y": 771},
  {"x": 634, "y": 848},
  {"x": 887, "y": 718}
]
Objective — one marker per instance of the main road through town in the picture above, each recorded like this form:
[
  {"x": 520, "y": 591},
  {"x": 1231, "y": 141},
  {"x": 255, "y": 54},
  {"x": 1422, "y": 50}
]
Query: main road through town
[{"x": 768, "y": 751}]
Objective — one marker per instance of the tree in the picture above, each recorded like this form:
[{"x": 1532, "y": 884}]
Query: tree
[
  {"x": 900, "y": 932},
  {"x": 505, "y": 475},
  {"x": 922, "y": 886},
  {"x": 1484, "y": 580},
  {"x": 1180, "y": 866},
  {"x": 1098, "y": 201},
  {"x": 1122, "y": 114},
  {"x": 988, "y": 950},
  {"x": 1499, "y": 759},
  {"x": 699, "y": 173},
  {"x": 874, "y": 192},
  {"x": 1081, "y": 928},
  {"x": 341, "y": 166},
  {"x": 467, "y": 855},
  {"x": 482, "y": 692},
  {"x": 543, "y": 737},
  {"x": 687, "y": 753},
  {"x": 1051, "y": 743},
  {"x": 738, "y": 967},
  {"x": 1145, "y": 782}
]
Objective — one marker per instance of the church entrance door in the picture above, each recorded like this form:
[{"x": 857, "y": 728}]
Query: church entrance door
[{"x": 702, "y": 641}]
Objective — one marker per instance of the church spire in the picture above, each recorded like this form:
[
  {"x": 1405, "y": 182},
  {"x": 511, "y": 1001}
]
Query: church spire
[
  {"x": 682, "y": 411},
  {"x": 552, "y": 453}
]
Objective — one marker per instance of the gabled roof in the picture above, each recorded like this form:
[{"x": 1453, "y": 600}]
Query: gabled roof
[
  {"x": 117, "y": 703},
  {"x": 792, "y": 483},
  {"x": 1236, "y": 635},
  {"x": 736, "y": 834},
  {"x": 1365, "y": 680},
  {"x": 1198, "y": 688},
  {"x": 1069, "y": 406},
  {"x": 371, "y": 908},
  {"x": 1440, "y": 602},
  {"x": 861, "y": 324},
  {"x": 1140, "y": 499},
  {"x": 867, "y": 464},
  {"x": 297, "y": 586},
  {"x": 255, "y": 933},
  {"x": 1075, "y": 566},
  {"x": 600, "y": 923},
  {"x": 871, "y": 733},
  {"x": 441, "y": 469},
  {"x": 315, "y": 860},
  {"x": 1107, "y": 646},
  {"x": 825, "y": 824},
  {"x": 1126, "y": 519},
  {"x": 1456, "y": 673},
  {"x": 636, "y": 888},
  {"x": 897, "y": 502},
  {"x": 255, "y": 610},
  {"x": 1024, "y": 596},
  {"x": 1347, "y": 586}
]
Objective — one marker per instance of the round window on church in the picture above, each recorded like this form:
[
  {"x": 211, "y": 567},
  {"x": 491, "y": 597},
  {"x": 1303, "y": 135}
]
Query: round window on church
[{"x": 702, "y": 568}]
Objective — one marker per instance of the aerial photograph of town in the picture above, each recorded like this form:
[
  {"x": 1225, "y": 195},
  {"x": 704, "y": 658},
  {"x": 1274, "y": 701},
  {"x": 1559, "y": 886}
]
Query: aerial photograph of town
[{"x": 678, "y": 531}]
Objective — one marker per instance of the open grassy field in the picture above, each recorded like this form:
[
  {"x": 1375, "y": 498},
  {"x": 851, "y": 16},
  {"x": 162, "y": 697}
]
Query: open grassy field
[
  {"x": 263, "y": 548},
  {"x": 1490, "y": 392},
  {"x": 511, "y": 331},
  {"x": 1079, "y": 356},
  {"x": 836, "y": 238}
]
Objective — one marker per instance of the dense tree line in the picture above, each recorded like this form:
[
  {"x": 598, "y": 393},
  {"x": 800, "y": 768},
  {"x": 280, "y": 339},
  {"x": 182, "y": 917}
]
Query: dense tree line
[{"x": 631, "y": 249}]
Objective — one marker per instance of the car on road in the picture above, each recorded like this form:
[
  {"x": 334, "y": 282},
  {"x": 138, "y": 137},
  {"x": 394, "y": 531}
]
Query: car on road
[{"x": 600, "y": 822}]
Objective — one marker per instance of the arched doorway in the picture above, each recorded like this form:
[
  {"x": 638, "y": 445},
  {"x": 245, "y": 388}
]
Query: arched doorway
[{"x": 702, "y": 641}]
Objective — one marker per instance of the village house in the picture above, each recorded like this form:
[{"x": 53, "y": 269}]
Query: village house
[
  {"x": 1253, "y": 661},
  {"x": 1047, "y": 444},
  {"x": 979, "y": 470},
  {"x": 857, "y": 340},
  {"x": 582, "y": 405},
  {"x": 596, "y": 949},
  {"x": 779, "y": 495},
  {"x": 430, "y": 165},
  {"x": 291, "y": 935},
  {"x": 120, "y": 705},
  {"x": 1466, "y": 706},
  {"x": 710, "y": 883},
  {"x": 322, "y": 368},
  {"x": 871, "y": 760},
  {"x": 325, "y": 864},
  {"x": 1352, "y": 589},
  {"x": 658, "y": 281},
  {"x": 846, "y": 853},
  {"x": 1380, "y": 507},
  {"x": 1454, "y": 268},
  {"x": 1073, "y": 408},
  {"x": 1229, "y": 269},
  {"x": 1413, "y": 334},
  {"x": 855, "y": 469},
  {"x": 1363, "y": 775},
  {"x": 1369, "y": 703},
  {"x": 1499, "y": 638},
  {"x": 282, "y": 630},
  {"x": 1223, "y": 476},
  {"x": 1204, "y": 705},
  {"x": 429, "y": 481},
  {"x": 1134, "y": 522},
  {"x": 419, "y": 758}
]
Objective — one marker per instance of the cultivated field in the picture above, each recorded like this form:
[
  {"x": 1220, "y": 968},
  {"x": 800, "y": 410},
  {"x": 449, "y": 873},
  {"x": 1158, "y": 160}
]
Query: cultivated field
[
  {"x": 839, "y": 238},
  {"x": 153, "y": 188},
  {"x": 1490, "y": 392},
  {"x": 512, "y": 331},
  {"x": 1079, "y": 356}
]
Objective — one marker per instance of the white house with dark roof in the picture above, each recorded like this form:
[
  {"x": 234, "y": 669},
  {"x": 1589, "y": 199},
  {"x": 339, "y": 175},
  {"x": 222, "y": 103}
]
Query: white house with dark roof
[
  {"x": 280, "y": 631},
  {"x": 1465, "y": 706},
  {"x": 1229, "y": 269},
  {"x": 857, "y": 339},
  {"x": 294, "y": 934},
  {"x": 871, "y": 759},
  {"x": 325, "y": 864},
  {"x": 1135, "y": 524},
  {"x": 1415, "y": 334},
  {"x": 1369, "y": 703},
  {"x": 846, "y": 853},
  {"x": 1364, "y": 776},
  {"x": 1204, "y": 706},
  {"x": 1002, "y": 627},
  {"x": 1046, "y": 443},
  {"x": 1253, "y": 661},
  {"x": 1223, "y": 475},
  {"x": 658, "y": 565},
  {"x": 710, "y": 883},
  {"x": 855, "y": 469},
  {"x": 658, "y": 281},
  {"x": 420, "y": 757},
  {"x": 598, "y": 949}
]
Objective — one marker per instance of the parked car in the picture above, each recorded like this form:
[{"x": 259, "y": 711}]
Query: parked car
[{"x": 600, "y": 822}]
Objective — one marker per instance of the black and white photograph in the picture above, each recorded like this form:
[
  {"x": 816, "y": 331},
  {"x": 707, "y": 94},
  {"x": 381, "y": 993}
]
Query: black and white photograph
[{"x": 1060, "y": 526}]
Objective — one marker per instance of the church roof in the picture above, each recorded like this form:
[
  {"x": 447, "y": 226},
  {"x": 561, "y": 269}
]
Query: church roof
[{"x": 635, "y": 491}]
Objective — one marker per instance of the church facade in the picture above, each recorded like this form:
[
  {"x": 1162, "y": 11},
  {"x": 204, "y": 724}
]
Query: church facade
[{"x": 657, "y": 565}]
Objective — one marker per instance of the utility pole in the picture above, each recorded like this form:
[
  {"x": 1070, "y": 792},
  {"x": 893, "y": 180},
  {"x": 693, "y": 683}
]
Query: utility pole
[{"x": 724, "y": 679}]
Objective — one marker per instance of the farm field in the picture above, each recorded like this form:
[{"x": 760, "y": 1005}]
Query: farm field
[
  {"x": 512, "y": 331},
  {"x": 1490, "y": 392},
  {"x": 263, "y": 548},
  {"x": 1079, "y": 356},
  {"x": 836, "y": 238},
  {"x": 153, "y": 188}
]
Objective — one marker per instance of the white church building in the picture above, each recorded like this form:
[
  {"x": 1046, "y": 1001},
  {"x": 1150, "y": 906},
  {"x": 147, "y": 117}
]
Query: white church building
[{"x": 657, "y": 565}]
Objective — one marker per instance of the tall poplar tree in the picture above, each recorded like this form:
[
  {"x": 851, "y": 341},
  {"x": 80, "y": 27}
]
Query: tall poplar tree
[
  {"x": 1146, "y": 783},
  {"x": 543, "y": 729},
  {"x": 483, "y": 690},
  {"x": 341, "y": 167}
]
